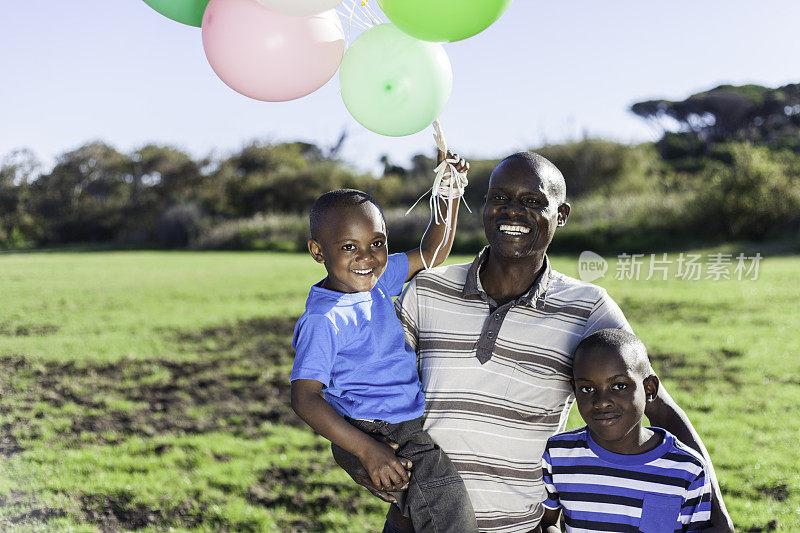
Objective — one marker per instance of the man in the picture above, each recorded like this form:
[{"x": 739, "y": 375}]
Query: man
[{"x": 494, "y": 341}]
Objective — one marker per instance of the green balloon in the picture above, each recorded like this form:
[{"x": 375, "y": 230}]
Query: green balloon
[
  {"x": 394, "y": 84},
  {"x": 186, "y": 11},
  {"x": 443, "y": 20}
]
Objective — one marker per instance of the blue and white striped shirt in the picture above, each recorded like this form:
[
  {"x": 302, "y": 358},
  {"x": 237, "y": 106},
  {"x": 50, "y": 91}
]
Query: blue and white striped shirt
[{"x": 664, "y": 490}]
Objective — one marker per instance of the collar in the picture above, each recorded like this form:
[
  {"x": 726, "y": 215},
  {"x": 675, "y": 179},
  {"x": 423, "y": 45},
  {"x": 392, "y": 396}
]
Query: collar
[{"x": 472, "y": 285}]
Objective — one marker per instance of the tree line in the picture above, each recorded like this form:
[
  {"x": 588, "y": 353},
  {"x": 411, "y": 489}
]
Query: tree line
[{"x": 725, "y": 167}]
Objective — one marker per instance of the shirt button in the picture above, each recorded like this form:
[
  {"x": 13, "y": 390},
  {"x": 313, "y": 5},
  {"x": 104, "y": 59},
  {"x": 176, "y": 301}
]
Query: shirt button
[
  {"x": 497, "y": 316},
  {"x": 490, "y": 334}
]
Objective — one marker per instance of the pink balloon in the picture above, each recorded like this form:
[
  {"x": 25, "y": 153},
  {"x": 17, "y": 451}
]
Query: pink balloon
[{"x": 269, "y": 56}]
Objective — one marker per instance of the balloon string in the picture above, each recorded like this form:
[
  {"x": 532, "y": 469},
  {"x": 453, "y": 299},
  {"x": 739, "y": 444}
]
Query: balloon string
[
  {"x": 448, "y": 185},
  {"x": 352, "y": 18},
  {"x": 373, "y": 16}
]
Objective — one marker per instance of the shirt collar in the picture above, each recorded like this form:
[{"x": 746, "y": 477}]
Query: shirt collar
[{"x": 472, "y": 286}]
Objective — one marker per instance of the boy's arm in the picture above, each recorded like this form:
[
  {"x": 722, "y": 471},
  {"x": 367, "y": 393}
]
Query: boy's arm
[
  {"x": 550, "y": 521},
  {"x": 435, "y": 233},
  {"x": 385, "y": 470},
  {"x": 663, "y": 412},
  {"x": 696, "y": 509}
]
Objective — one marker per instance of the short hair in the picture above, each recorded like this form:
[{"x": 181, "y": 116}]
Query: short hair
[
  {"x": 619, "y": 339},
  {"x": 556, "y": 184},
  {"x": 336, "y": 200}
]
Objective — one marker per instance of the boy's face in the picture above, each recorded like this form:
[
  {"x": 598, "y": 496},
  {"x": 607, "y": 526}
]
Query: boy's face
[
  {"x": 611, "y": 394},
  {"x": 352, "y": 246}
]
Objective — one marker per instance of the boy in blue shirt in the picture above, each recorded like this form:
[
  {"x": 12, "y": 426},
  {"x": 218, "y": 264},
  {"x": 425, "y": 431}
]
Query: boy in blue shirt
[
  {"x": 350, "y": 346},
  {"x": 614, "y": 474}
]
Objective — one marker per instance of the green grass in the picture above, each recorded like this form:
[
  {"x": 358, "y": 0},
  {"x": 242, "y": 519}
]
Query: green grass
[{"x": 148, "y": 390}]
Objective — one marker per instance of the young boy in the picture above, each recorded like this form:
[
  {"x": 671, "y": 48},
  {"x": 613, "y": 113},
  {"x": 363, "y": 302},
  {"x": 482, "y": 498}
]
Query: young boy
[
  {"x": 614, "y": 474},
  {"x": 350, "y": 346}
]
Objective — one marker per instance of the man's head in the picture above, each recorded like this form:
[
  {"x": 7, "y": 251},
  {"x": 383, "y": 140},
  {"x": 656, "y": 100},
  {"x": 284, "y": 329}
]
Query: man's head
[
  {"x": 525, "y": 203},
  {"x": 613, "y": 380},
  {"x": 348, "y": 236}
]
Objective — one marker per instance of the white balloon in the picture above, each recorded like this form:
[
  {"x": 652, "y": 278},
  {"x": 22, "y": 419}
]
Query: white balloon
[{"x": 300, "y": 8}]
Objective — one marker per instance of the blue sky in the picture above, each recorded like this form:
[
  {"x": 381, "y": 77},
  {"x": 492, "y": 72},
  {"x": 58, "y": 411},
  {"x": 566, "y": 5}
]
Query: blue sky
[{"x": 546, "y": 71}]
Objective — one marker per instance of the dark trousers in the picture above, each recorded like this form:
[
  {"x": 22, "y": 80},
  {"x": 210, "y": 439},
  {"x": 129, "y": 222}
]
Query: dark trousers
[{"x": 436, "y": 499}]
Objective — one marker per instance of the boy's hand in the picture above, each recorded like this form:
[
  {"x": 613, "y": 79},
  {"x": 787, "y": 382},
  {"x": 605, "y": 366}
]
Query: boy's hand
[
  {"x": 385, "y": 469},
  {"x": 350, "y": 464},
  {"x": 461, "y": 165}
]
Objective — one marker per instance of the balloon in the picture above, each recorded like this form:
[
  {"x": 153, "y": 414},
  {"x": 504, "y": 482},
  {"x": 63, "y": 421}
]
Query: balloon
[
  {"x": 300, "y": 8},
  {"x": 394, "y": 84},
  {"x": 443, "y": 20},
  {"x": 187, "y": 11},
  {"x": 270, "y": 56}
]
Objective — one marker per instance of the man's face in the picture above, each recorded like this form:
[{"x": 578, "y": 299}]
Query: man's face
[
  {"x": 352, "y": 245},
  {"x": 521, "y": 211},
  {"x": 611, "y": 396}
]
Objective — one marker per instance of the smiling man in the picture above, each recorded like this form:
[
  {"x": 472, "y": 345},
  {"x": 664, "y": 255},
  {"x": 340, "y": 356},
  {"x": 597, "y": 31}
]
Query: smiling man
[{"x": 494, "y": 340}]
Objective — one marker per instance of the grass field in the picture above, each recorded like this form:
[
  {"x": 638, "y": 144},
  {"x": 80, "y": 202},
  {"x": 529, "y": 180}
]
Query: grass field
[{"x": 149, "y": 391}]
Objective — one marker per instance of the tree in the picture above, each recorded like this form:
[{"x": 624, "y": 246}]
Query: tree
[
  {"x": 18, "y": 226},
  {"x": 728, "y": 113},
  {"x": 84, "y": 197}
]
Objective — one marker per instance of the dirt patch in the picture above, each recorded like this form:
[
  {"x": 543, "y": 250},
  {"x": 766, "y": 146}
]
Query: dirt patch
[
  {"x": 241, "y": 382},
  {"x": 638, "y": 310},
  {"x": 8, "y": 443},
  {"x": 22, "y": 509},
  {"x": 117, "y": 513},
  {"x": 27, "y": 330},
  {"x": 693, "y": 371},
  {"x": 772, "y": 525},
  {"x": 42, "y": 514},
  {"x": 778, "y": 492},
  {"x": 297, "y": 489}
]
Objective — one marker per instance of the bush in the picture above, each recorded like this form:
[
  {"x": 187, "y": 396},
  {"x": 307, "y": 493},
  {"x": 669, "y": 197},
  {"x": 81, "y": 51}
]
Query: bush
[
  {"x": 278, "y": 232},
  {"x": 752, "y": 198},
  {"x": 180, "y": 226},
  {"x": 594, "y": 165}
]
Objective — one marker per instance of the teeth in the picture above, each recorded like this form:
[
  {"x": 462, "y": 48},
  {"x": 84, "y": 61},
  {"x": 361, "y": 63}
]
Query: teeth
[
  {"x": 362, "y": 271},
  {"x": 514, "y": 230}
]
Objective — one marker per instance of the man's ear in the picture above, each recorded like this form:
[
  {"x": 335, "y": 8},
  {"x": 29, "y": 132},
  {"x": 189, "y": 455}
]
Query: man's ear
[
  {"x": 651, "y": 385},
  {"x": 563, "y": 214},
  {"x": 316, "y": 251}
]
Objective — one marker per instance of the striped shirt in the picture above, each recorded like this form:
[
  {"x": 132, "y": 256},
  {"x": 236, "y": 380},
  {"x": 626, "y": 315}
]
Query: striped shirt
[
  {"x": 664, "y": 490},
  {"x": 497, "y": 378}
]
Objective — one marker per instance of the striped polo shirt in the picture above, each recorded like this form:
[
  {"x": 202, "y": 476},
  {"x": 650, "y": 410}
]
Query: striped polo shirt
[
  {"x": 497, "y": 378},
  {"x": 664, "y": 490}
]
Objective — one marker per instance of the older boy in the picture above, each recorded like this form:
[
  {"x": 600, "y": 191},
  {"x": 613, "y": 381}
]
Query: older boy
[{"x": 614, "y": 474}]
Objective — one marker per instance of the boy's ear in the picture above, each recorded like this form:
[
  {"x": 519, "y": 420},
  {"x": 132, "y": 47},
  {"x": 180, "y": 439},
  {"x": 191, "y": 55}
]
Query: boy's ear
[
  {"x": 651, "y": 385},
  {"x": 316, "y": 251}
]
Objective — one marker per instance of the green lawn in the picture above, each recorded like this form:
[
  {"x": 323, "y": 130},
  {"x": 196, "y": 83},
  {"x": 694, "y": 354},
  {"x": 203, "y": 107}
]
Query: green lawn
[{"x": 148, "y": 390}]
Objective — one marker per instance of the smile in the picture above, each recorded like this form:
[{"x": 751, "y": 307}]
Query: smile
[
  {"x": 363, "y": 272},
  {"x": 514, "y": 230},
  {"x": 606, "y": 420}
]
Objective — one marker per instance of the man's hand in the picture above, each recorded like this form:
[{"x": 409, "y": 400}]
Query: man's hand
[{"x": 350, "y": 464}]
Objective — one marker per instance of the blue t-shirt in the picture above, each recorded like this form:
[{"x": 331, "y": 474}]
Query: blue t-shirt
[
  {"x": 664, "y": 490},
  {"x": 355, "y": 346}
]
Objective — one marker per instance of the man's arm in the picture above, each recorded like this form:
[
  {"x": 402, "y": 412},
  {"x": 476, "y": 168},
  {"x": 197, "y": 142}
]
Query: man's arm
[
  {"x": 432, "y": 247},
  {"x": 663, "y": 412}
]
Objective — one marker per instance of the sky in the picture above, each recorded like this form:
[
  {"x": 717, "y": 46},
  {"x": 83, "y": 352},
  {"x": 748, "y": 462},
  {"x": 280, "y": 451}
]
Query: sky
[{"x": 118, "y": 71}]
